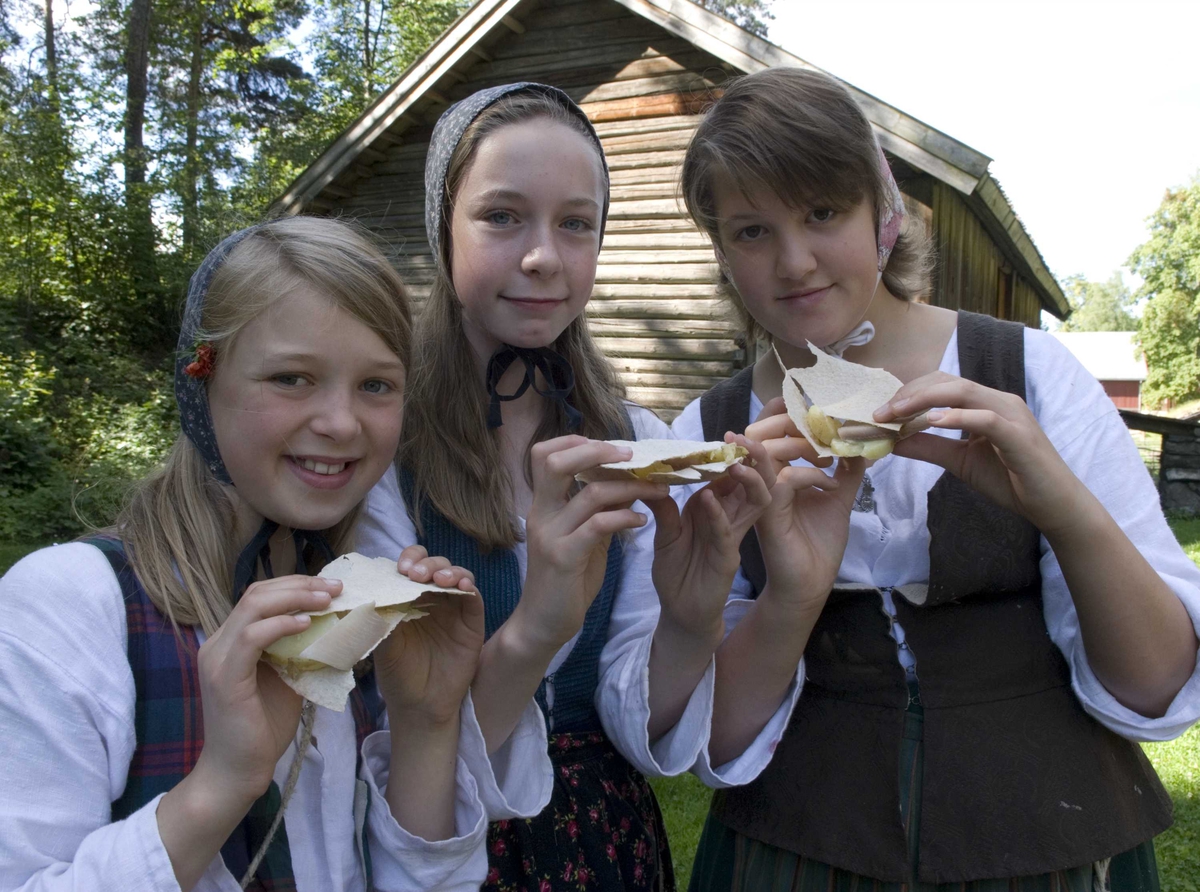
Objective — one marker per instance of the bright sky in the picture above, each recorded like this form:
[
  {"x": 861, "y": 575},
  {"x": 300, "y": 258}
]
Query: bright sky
[{"x": 1089, "y": 108}]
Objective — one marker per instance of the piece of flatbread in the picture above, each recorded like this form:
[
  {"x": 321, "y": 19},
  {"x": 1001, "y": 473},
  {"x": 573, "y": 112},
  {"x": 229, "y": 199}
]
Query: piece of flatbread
[
  {"x": 842, "y": 390},
  {"x": 375, "y": 599},
  {"x": 669, "y": 461}
]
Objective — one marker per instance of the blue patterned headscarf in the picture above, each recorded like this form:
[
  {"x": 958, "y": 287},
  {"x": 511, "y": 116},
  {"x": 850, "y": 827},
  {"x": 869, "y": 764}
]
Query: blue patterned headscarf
[
  {"x": 191, "y": 392},
  {"x": 454, "y": 123},
  {"x": 195, "y": 417}
]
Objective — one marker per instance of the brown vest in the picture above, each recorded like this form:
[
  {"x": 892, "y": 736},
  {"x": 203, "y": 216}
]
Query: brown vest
[{"x": 1018, "y": 780}]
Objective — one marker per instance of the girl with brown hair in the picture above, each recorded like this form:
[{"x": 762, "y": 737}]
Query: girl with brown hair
[
  {"x": 600, "y": 617},
  {"x": 978, "y": 648},
  {"x": 145, "y": 745}
]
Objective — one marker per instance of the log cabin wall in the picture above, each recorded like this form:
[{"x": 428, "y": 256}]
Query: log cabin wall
[
  {"x": 654, "y": 310},
  {"x": 972, "y": 274}
]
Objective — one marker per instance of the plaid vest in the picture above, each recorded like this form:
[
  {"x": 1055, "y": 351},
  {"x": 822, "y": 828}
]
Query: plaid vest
[{"x": 169, "y": 726}]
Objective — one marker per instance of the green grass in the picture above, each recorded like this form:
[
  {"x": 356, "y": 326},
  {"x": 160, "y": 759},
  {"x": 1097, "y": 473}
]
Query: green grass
[{"x": 10, "y": 553}]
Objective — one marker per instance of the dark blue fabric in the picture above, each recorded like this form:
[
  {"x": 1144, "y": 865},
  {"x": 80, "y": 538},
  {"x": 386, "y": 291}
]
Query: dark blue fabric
[{"x": 498, "y": 577}]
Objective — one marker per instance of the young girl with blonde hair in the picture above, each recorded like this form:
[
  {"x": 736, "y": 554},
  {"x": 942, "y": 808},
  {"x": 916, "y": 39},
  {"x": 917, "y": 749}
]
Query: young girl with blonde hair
[
  {"x": 604, "y": 603},
  {"x": 978, "y": 648},
  {"x": 145, "y": 745}
]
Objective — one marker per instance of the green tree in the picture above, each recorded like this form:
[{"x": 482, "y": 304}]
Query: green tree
[
  {"x": 1099, "y": 306},
  {"x": 753, "y": 15},
  {"x": 1169, "y": 264}
]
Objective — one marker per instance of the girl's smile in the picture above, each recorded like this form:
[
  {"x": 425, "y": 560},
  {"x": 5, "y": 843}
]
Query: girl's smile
[{"x": 306, "y": 404}]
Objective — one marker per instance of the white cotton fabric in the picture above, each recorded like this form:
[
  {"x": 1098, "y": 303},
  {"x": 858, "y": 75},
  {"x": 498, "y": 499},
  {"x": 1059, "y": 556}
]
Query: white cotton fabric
[
  {"x": 622, "y": 698},
  {"x": 890, "y": 547},
  {"x": 66, "y": 709}
]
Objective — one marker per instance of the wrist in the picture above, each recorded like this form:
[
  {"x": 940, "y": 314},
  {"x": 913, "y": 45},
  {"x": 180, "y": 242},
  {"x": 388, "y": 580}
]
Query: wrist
[
  {"x": 525, "y": 640},
  {"x": 787, "y": 604},
  {"x": 209, "y": 798},
  {"x": 690, "y": 637},
  {"x": 414, "y": 730}
]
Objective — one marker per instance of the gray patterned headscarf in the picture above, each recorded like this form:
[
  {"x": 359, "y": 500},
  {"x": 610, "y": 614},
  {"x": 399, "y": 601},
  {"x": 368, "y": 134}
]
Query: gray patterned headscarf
[
  {"x": 195, "y": 417},
  {"x": 191, "y": 391},
  {"x": 454, "y": 123}
]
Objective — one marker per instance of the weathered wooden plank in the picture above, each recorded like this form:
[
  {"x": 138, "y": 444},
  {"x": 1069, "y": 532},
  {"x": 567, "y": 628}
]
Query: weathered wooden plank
[
  {"x": 675, "y": 139},
  {"x": 656, "y": 158},
  {"x": 662, "y": 224},
  {"x": 680, "y": 82},
  {"x": 655, "y": 328},
  {"x": 622, "y": 241},
  {"x": 613, "y": 129},
  {"x": 710, "y": 308},
  {"x": 633, "y": 365},
  {"x": 644, "y": 209},
  {"x": 568, "y": 37},
  {"x": 576, "y": 13},
  {"x": 677, "y": 382},
  {"x": 657, "y": 254},
  {"x": 651, "y": 106},
  {"x": 667, "y": 173},
  {"x": 671, "y": 348},
  {"x": 654, "y": 291},
  {"x": 675, "y": 272}
]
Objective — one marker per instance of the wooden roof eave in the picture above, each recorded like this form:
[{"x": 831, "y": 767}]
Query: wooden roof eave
[
  {"x": 992, "y": 208},
  {"x": 420, "y": 78}
]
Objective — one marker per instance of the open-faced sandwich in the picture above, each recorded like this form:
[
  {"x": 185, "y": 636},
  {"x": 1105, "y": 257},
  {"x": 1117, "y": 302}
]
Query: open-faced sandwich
[
  {"x": 669, "y": 461},
  {"x": 833, "y": 403},
  {"x": 318, "y": 663}
]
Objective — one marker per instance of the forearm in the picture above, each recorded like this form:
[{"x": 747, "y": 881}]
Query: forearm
[
  {"x": 422, "y": 778},
  {"x": 755, "y": 666},
  {"x": 194, "y": 820},
  {"x": 1138, "y": 636},
  {"x": 511, "y": 667},
  {"x": 678, "y": 660}
]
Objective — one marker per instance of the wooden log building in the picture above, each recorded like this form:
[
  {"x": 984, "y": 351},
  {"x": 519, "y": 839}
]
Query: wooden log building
[{"x": 643, "y": 70}]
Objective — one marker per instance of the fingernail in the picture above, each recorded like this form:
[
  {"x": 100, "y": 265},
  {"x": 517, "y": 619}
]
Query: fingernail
[
  {"x": 443, "y": 573},
  {"x": 901, "y": 403},
  {"x": 329, "y": 581},
  {"x": 405, "y": 565},
  {"x": 304, "y": 618},
  {"x": 642, "y": 520},
  {"x": 936, "y": 415}
]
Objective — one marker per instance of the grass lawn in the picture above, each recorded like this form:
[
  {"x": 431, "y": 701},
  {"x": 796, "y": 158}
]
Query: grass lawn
[{"x": 684, "y": 800}]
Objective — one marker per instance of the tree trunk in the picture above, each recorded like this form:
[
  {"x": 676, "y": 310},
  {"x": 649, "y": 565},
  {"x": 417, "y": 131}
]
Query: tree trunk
[
  {"x": 62, "y": 147},
  {"x": 191, "y": 164},
  {"x": 137, "y": 192},
  {"x": 51, "y": 54}
]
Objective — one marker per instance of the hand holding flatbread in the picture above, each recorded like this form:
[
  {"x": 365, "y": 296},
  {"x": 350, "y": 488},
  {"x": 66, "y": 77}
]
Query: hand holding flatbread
[
  {"x": 669, "y": 461},
  {"x": 832, "y": 403},
  {"x": 376, "y": 597}
]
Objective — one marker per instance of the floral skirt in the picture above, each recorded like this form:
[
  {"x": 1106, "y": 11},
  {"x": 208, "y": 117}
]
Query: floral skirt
[
  {"x": 727, "y": 861},
  {"x": 602, "y": 829}
]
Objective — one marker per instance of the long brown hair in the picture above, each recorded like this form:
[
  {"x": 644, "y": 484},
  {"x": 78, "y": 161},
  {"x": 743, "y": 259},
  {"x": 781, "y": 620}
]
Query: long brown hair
[
  {"x": 799, "y": 134},
  {"x": 446, "y": 445},
  {"x": 178, "y": 525}
]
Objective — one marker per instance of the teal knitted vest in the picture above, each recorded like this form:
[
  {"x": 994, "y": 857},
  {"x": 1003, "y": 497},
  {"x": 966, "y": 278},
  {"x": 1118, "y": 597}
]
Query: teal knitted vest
[{"x": 498, "y": 578}]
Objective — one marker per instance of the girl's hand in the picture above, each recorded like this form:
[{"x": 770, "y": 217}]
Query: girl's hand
[
  {"x": 250, "y": 715},
  {"x": 1007, "y": 457},
  {"x": 804, "y": 530},
  {"x": 568, "y": 536},
  {"x": 696, "y": 551},
  {"x": 425, "y": 666}
]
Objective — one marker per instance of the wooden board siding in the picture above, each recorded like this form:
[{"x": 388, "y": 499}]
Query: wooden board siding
[
  {"x": 654, "y": 311},
  {"x": 972, "y": 273},
  {"x": 1124, "y": 394}
]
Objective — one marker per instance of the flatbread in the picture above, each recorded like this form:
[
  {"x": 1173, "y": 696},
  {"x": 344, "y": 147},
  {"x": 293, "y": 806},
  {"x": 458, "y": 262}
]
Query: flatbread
[
  {"x": 375, "y": 599},
  {"x": 670, "y": 461},
  {"x": 842, "y": 390}
]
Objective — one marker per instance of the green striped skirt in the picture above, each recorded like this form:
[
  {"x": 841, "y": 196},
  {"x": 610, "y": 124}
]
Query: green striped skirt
[{"x": 727, "y": 861}]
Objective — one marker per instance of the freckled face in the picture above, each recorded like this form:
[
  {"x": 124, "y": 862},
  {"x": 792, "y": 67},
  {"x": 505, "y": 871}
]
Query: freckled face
[
  {"x": 803, "y": 273},
  {"x": 306, "y": 406},
  {"x": 524, "y": 234}
]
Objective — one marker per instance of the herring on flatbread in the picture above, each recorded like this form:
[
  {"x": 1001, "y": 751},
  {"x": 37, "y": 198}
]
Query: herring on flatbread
[
  {"x": 318, "y": 662},
  {"x": 669, "y": 461},
  {"x": 833, "y": 404}
]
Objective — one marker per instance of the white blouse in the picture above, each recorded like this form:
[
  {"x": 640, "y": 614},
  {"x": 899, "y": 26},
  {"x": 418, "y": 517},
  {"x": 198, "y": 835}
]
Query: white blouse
[
  {"x": 67, "y": 712},
  {"x": 889, "y": 547},
  {"x": 622, "y": 698}
]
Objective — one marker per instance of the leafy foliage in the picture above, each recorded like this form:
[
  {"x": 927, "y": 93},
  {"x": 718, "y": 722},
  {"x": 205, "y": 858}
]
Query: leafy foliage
[
  {"x": 1169, "y": 264},
  {"x": 1099, "y": 306},
  {"x": 753, "y": 15}
]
